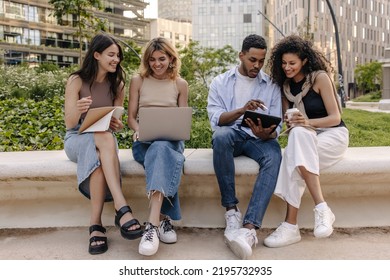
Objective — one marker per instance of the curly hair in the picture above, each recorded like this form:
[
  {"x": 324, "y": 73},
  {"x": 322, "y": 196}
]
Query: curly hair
[
  {"x": 163, "y": 45},
  {"x": 304, "y": 49},
  {"x": 90, "y": 67}
]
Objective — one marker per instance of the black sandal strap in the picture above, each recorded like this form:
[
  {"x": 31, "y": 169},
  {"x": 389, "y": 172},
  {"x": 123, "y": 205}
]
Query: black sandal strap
[
  {"x": 123, "y": 211},
  {"x": 97, "y": 239},
  {"x": 97, "y": 228},
  {"x": 130, "y": 223}
]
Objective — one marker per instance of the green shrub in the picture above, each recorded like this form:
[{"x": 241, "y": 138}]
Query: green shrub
[
  {"x": 32, "y": 115},
  {"x": 28, "y": 125},
  {"x": 370, "y": 97}
]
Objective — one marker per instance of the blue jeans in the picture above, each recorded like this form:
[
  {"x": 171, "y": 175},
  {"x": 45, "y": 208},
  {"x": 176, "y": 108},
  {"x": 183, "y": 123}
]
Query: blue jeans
[
  {"x": 229, "y": 143},
  {"x": 163, "y": 163}
]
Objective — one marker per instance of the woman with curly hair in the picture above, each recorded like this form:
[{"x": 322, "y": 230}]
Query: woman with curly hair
[{"x": 317, "y": 136}]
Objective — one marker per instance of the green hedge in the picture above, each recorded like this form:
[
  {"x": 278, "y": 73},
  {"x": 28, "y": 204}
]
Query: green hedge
[
  {"x": 27, "y": 125},
  {"x": 32, "y": 115}
]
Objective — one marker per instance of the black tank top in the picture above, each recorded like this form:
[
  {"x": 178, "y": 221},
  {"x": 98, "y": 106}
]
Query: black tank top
[{"x": 314, "y": 105}]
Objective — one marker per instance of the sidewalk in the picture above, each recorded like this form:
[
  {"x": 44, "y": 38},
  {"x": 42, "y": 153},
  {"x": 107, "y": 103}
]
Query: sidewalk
[
  {"x": 193, "y": 244},
  {"x": 367, "y": 106}
]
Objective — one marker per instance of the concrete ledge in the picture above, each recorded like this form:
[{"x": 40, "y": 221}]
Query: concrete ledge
[{"x": 39, "y": 189}]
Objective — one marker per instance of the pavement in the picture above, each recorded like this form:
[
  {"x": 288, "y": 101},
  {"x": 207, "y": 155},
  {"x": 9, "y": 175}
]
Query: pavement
[{"x": 193, "y": 244}]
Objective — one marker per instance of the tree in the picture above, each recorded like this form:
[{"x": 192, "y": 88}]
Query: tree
[
  {"x": 85, "y": 19},
  {"x": 202, "y": 64},
  {"x": 369, "y": 76},
  {"x": 131, "y": 55}
]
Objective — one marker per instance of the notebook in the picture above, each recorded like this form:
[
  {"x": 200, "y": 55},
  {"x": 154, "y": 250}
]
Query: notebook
[{"x": 164, "y": 123}]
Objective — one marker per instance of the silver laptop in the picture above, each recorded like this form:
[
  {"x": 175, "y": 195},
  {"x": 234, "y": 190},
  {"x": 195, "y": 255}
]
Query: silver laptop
[{"x": 164, "y": 123}]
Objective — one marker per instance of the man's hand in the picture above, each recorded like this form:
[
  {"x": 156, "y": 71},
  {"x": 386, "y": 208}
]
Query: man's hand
[
  {"x": 253, "y": 105},
  {"x": 260, "y": 131}
]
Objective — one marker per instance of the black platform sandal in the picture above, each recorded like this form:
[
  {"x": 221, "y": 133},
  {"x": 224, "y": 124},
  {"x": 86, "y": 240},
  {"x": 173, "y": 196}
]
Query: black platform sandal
[
  {"x": 125, "y": 231},
  {"x": 98, "y": 248}
]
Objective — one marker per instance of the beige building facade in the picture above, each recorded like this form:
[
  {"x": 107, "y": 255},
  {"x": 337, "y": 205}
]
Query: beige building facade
[
  {"x": 363, "y": 25},
  {"x": 179, "y": 33}
]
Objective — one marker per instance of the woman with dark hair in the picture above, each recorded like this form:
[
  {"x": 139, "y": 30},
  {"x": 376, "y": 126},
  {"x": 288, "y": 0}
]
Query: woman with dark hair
[
  {"x": 159, "y": 85},
  {"x": 99, "y": 82},
  {"x": 317, "y": 138}
]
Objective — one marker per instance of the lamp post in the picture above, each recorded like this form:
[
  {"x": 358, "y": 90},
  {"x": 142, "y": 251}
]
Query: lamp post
[
  {"x": 260, "y": 13},
  {"x": 339, "y": 64}
]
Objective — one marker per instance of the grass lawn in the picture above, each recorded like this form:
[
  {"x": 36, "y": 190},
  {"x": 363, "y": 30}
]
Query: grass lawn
[{"x": 367, "y": 128}]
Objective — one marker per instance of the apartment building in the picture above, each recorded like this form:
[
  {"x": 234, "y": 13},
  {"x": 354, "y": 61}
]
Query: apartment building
[
  {"x": 363, "y": 25},
  {"x": 29, "y": 33}
]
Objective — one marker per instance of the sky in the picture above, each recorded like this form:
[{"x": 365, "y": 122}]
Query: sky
[{"x": 151, "y": 10}]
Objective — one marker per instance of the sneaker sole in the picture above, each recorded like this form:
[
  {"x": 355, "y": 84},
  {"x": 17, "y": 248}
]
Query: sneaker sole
[
  {"x": 327, "y": 233},
  {"x": 239, "y": 251},
  {"x": 277, "y": 245},
  {"x": 147, "y": 253}
]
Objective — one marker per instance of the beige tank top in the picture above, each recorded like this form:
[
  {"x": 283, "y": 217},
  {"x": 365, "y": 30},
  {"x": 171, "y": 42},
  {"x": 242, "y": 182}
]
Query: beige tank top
[
  {"x": 158, "y": 93},
  {"x": 100, "y": 93}
]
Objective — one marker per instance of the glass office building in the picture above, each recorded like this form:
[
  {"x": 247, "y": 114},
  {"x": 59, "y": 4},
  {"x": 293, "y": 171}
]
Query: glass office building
[{"x": 216, "y": 23}]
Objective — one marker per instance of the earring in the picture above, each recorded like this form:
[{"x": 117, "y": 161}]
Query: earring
[{"x": 170, "y": 65}]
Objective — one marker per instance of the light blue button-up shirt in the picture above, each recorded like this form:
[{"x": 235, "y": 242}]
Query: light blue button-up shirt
[{"x": 221, "y": 98}]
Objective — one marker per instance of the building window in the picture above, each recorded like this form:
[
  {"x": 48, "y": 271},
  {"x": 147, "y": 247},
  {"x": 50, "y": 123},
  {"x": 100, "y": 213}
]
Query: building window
[
  {"x": 167, "y": 35},
  {"x": 247, "y": 18}
]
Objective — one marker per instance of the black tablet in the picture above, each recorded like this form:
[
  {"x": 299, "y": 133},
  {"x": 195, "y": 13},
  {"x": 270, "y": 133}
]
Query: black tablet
[{"x": 266, "y": 120}]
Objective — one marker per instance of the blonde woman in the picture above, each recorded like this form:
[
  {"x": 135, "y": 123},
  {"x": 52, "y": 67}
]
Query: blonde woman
[{"x": 159, "y": 84}]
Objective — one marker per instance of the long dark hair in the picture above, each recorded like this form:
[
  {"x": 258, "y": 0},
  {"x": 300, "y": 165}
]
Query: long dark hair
[
  {"x": 89, "y": 69},
  {"x": 304, "y": 50}
]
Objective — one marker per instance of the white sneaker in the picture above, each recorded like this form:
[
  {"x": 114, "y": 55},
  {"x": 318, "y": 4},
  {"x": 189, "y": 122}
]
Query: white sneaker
[
  {"x": 323, "y": 222},
  {"x": 283, "y": 236},
  {"x": 242, "y": 243},
  {"x": 166, "y": 232},
  {"x": 149, "y": 241},
  {"x": 233, "y": 223}
]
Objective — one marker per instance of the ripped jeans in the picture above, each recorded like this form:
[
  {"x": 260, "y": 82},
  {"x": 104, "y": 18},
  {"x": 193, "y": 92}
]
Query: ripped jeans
[{"x": 163, "y": 163}]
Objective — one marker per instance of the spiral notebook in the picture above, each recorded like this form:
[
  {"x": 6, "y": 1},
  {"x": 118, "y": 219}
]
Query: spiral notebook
[{"x": 164, "y": 123}]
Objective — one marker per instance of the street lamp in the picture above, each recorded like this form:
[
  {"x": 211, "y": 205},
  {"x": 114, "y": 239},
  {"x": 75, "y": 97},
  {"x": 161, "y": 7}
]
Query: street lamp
[
  {"x": 260, "y": 13},
  {"x": 340, "y": 68}
]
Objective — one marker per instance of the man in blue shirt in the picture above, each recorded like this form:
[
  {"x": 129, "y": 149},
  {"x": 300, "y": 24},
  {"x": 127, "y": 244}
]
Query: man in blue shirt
[{"x": 245, "y": 87}]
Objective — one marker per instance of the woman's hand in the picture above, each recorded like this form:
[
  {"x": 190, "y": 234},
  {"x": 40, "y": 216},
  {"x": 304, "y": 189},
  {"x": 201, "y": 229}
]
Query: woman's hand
[
  {"x": 297, "y": 119},
  {"x": 83, "y": 104},
  {"x": 135, "y": 136},
  {"x": 116, "y": 124}
]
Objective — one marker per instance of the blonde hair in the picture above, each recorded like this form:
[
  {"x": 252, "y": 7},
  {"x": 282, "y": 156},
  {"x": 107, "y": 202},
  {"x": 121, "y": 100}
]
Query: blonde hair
[{"x": 165, "y": 46}]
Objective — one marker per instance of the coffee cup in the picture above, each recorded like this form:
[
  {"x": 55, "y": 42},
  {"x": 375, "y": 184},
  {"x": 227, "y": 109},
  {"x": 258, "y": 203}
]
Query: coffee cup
[{"x": 291, "y": 112}]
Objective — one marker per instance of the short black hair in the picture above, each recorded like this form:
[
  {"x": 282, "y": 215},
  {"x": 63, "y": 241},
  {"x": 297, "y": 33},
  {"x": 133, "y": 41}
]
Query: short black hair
[{"x": 253, "y": 41}]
